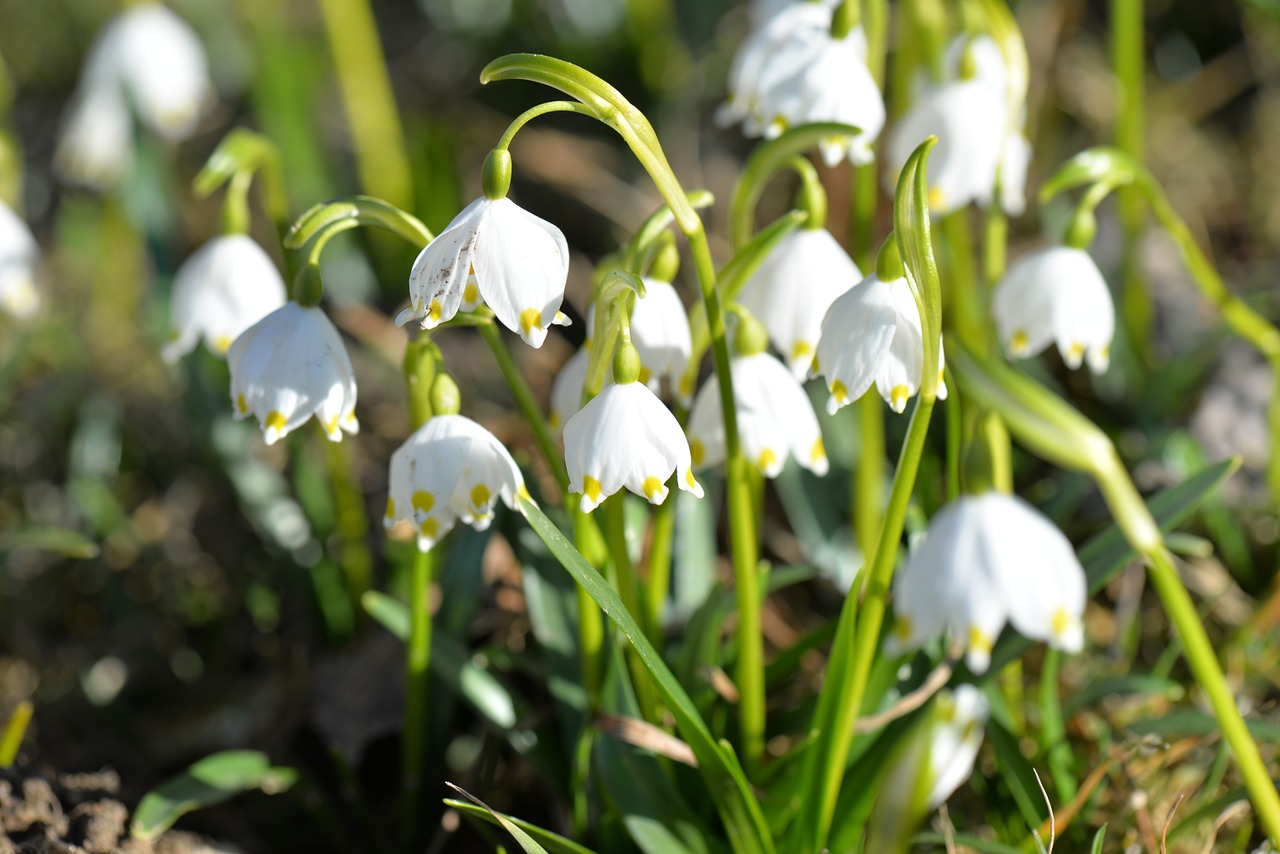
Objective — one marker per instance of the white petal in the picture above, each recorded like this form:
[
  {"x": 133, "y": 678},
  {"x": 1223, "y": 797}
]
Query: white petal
[
  {"x": 163, "y": 66},
  {"x": 521, "y": 264},
  {"x": 438, "y": 280},
  {"x": 856, "y": 335},
  {"x": 660, "y": 333}
]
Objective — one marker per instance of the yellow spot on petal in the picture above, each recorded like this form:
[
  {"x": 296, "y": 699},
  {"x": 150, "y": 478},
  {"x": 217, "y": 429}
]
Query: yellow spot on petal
[
  {"x": 839, "y": 392},
  {"x": 902, "y": 628},
  {"x": 429, "y": 528},
  {"x": 276, "y": 420},
  {"x": 1105, "y": 352},
  {"x": 423, "y": 501},
  {"x": 1019, "y": 342},
  {"x": 697, "y": 452},
  {"x": 1060, "y": 622},
  {"x": 241, "y": 406},
  {"x": 331, "y": 426},
  {"x": 222, "y": 343},
  {"x": 817, "y": 368},
  {"x": 591, "y": 488},
  {"x": 435, "y": 312},
  {"x": 523, "y": 492},
  {"x": 480, "y": 496},
  {"x": 1075, "y": 352},
  {"x": 553, "y": 419},
  {"x": 689, "y": 480},
  {"x": 979, "y": 640},
  {"x": 800, "y": 349},
  {"x": 685, "y": 386},
  {"x": 767, "y": 459},
  {"x": 471, "y": 270},
  {"x": 652, "y": 487},
  {"x": 470, "y": 293},
  {"x": 818, "y": 451},
  {"x": 644, "y": 375},
  {"x": 898, "y": 397},
  {"x": 530, "y": 319},
  {"x": 937, "y": 198},
  {"x": 391, "y": 508}
]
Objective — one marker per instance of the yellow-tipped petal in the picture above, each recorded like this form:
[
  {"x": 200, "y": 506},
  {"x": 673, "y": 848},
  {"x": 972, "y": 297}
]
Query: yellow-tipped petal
[
  {"x": 652, "y": 487},
  {"x": 391, "y": 508},
  {"x": 241, "y": 406},
  {"x": 275, "y": 420},
  {"x": 898, "y": 397},
  {"x": 435, "y": 311},
  {"x": 1060, "y": 622},
  {"x": 222, "y": 344},
  {"x": 423, "y": 501},
  {"x": 1019, "y": 342},
  {"x": 980, "y": 641},
  {"x": 697, "y": 452},
  {"x": 840, "y": 392},
  {"x": 818, "y": 452},
  {"x": 470, "y": 294},
  {"x": 767, "y": 459},
  {"x": 591, "y": 488},
  {"x": 480, "y": 496},
  {"x": 530, "y": 319}
]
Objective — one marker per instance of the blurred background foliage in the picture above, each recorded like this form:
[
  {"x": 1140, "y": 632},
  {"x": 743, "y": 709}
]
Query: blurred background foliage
[{"x": 211, "y": 612}]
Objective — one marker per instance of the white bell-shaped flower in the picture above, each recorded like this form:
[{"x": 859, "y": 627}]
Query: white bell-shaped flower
[
  {"x": 792, "y": 72},
  {"x": 775, "y": 418},
  {"x": 625, "y": 437},
  {"x": 19, "y": 255},
  {"x": 163, "y": 68},
  {"x": 96, "y": 146},
  {"x": 660, "y": 333},
  {"x": 225, "y": 287},
  {"x": 451, "y": 468},
  {"x": 872, "y": 334},
  {"x": 289, "y": 366},
  {"x": 988, "y": 560},
  {"x": 495, "y": 253},
  {"x": 1056, "y": 295},
  {"x": 566, "y": 389},
  {"x": 792, "y": 289}
]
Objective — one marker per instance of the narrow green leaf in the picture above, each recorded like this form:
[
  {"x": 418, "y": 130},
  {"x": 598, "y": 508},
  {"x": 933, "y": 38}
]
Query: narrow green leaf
[
  {"x": 729, "y": 787},
  {"x": 553, "y": 843},
  {"x": 1098, "y": 839},
  {"x": 527, "y": 843},
  {"x": 389, "y": 612},
  {"x": 1016, "y": 773},
  {"x": 210, "y": 781},
  {"x": 60, "y": 540},
  {"x": 965, "y": 841}
]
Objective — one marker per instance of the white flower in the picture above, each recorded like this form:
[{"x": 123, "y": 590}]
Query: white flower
[
  {"x": 148, "y": 57},
  {"x": 495, "y": 253},
  {"x": 775, "y": 418},
  {"x": 937, "y": 759},
  {"x": 289, "y": 366},
  {"x": 792, "y": 72},
  {"x": 18, "y": 257},
  {"x": 566, "y": 388},
  {"x": 225, "y": 287},
  {"x": 626, "y": 437},
  {"x": 872, "y": 334},
  {"x": 451, "y": 468},
  {"x": 1057, "y": 295},
  {"x": 987, "y": 560},
  {"x": 792, "y": 289},
  {"x": 1013, "y": 173},
  {"x": 660, "y": 333}
]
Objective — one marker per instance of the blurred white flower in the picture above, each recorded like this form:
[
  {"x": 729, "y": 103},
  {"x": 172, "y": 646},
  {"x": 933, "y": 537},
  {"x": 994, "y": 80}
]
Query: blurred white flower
[
  {"x": 625, "y": 437},
  {"x": 289, "y": 366},
  {"x": 872, "y": 334},
  {"x": 938, "y": 757},
  {"x": 775, "y": 418},
  {"x": 792, "y": 289},
  {"x": 1058, "y": 295},
  {"x": 660, "y": 333},
  {"x": 451, "y": 468},
  {"x": 495, "y": 253},
  {"x": 566, "y": 388},
  {"x": 225, "y": 287},
  {"x": 148, "y": 57},
  {"x": 19, "y": 255},
  {"x": 988, "y": 560},
  {"x": 792, "y": 72}
]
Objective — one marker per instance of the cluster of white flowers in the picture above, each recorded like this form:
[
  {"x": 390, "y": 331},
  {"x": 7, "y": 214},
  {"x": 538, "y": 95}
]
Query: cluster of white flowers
[
  {"x": 18, "y": 257},
  {"x": 146, "y": 57},
  {"x": 791, "y": 71}
]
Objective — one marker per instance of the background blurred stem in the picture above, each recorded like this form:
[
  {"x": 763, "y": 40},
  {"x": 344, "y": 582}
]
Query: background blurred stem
[
  {"x": 352, "y": 522},
  {"x": 1127, "y": 59},
  {"x": 966, "y": 300},
  {"x": 658, "y": 583},
  {"x": 370, "y": 105},
  {"x": 995, "y": 243},
  {"x": 628, "y": 587}
]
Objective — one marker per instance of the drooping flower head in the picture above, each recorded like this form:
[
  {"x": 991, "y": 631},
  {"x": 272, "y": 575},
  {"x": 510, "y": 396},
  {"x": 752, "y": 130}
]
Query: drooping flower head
[
  {"x": 19, "y": 255},
  {"x": 625, "y": 437},
  {"x": 225, "y": 287},
  {"x": 775, "y": 418},
  {"x": 793, "y": 72},
  {"x": 872, "y": 335},
  {"x": 988, "y": 560},
  {"x": 792, "y": 289},
  {"x": 1056, "y": 295},
  {"x": 451, "y": 468},
  {"x": 498, "y": 254},
  {"x": 289, "y": 366},
  {"x": 146, "y": 57}
]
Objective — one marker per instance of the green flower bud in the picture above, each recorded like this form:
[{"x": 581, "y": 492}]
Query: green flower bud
[{"x": 495, "y": 177}]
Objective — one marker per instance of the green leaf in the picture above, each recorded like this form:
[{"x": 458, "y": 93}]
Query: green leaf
[
  {"x": 1016, "y": 773},
  {"x": 728, "y": 786},
  {"x": 551, "y": 842},
  {"x": 1098, "y": 839},
  {"x": 527, "y": 843},
  {"x": 1107, "y": 553},
  {"x": 964, "y": 841},
  {"x": 60, "y": 540},
  {"x": 1099, "y": 165},
  {"x": 911, "y": 229},
  {"x": 210, "y": 781}
]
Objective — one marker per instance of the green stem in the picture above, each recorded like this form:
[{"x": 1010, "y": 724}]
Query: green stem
[
  {"x": 847, "y": 16},
  {"x": 372, "y": 118},
  {"x": 525, "y": 400},
  {"x": 966, "y": 298},
  {"x": 1053, "y": 732},
  {"x": 15, "y": 729},
  {"x": 417, "y": 695},
  {"x": 352, "y": 522},
  {"x": 1127, "y": 58},
  {"x": 658, "y": 583},
  {"x": 841, "y": 699},
  {"x": 541, "y": 110},
  {"x": 628, "y": 587},
  {"x": 868, "y": 485},
  {"x": 995, "y": 240}
]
